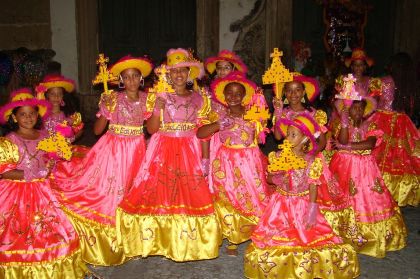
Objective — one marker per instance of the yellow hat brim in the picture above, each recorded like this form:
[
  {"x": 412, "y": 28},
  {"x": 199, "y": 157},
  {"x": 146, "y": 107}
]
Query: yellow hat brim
[{"x": 145, "y": 67}]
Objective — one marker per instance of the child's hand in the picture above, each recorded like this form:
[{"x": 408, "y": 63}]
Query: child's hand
[
  {"x": 277, "y": 104},
  {"x": 311, "y": 215}
]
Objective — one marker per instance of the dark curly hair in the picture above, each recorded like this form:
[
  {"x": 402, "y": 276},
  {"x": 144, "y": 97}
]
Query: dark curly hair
[{"x": 12, "y": 126}]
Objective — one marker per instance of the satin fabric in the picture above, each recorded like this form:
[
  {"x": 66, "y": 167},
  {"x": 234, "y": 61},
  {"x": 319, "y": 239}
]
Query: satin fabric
[
  {"x": 338, "y": 261},
  {"x": 374, "y": 224},
  {"x": 170, "y": 197},
  {"x": 283, "y": 247},
  {"x": 91, "y": 188},
  {"x": 238, "y": 177},
  {"x": 37, "y": 239},
  {"x": 397, "y": 157}
]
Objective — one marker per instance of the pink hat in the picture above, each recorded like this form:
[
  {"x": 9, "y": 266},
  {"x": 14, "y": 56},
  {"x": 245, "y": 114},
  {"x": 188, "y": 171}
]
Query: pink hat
[{"x": 226, "y": 55}]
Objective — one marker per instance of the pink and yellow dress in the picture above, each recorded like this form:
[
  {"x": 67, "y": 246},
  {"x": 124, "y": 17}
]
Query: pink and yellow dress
[
  {"x": 283, "y": 247},
  {"x": 169, "y": 210},
  {"x": 36, "y": 238},
  {"x": 91, "y": 189},
  {"x": 238, "y": 179},
  {"x": 375, "y": 225},
  {"x": 398, "y": 156}
]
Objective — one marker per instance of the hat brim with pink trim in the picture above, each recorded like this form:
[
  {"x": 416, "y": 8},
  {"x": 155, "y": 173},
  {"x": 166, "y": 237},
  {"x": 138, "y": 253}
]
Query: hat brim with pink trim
[
  {"x": 44, "y": 107},
  {"x": 284, "y": 123},
  {"x": 311, "y": 85},
  {"x": 227, "y": 56},
  {"x": 54, "y": 81},
  {"x": 369, "y": 109},
  {"x": 143, "y": 64},
  {"x": 218, "y": 87},
  {"x": 181, "y": 58}
]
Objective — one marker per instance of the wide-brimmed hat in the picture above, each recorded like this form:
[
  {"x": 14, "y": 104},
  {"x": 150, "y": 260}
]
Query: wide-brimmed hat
[
  {"x": 143, "y": 64},
  {"x": 358, "y": 54},
  {"x": 23, "y": 97},
  {"x": 178, "y": 58},
  {"x": 228, "y": 56},
  {"x": 51, "y": 81},
  {"x": 306, "y": 124},
  {"x": 218, "y": 87},
  {"x": 369, "y": 109},
  {"x": 311, "y": 85}
]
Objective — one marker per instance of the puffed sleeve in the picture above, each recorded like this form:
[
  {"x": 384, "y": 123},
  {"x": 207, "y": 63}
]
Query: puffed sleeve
[
  {"x": 315, "y": 171},
  {"x": 9, "y": 155}
]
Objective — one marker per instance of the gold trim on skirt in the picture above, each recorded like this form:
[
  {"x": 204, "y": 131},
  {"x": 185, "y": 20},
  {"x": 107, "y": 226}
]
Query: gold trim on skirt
[
  {"x": 98, "y": 242},
  {"x": 405, "y": 189},
  {"x": 372, "y": 239},
  {"x": 236, "y": 227},
  {"x": 71, "y": 266},
  {"x": 178, "y": 237},
  {"x": 338, "y": 261}
]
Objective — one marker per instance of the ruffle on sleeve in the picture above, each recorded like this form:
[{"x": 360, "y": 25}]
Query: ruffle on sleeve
[{"x": 9, "y": 155}]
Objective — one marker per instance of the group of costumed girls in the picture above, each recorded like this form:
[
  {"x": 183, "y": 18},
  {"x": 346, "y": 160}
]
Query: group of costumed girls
[{"x": 202, "y": 177}]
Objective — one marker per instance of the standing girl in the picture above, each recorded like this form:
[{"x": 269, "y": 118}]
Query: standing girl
[
  {"x": 169, "y": 210},
  {"x": 53, "y": 88},
  {"x": 90, "y": 190},
  {"x": 376, "y": 225},
  {"x": 298, "y": 94},
  {"x": 37, "y": 239},
  {"x": 238, "y": 169},
  {"x": 292, "y": 238}
]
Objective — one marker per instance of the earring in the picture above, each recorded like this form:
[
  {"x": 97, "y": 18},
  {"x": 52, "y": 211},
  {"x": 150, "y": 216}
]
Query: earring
[
  {"x": 14, "y": 118},
  {"x": 303, "y": 100},
  {"x": 189, "y": 82},
  {"x": 121, "y": 83},
  {"x": 169, "y": 80},
  {"x": 62, "y": 104},
  {"x": 286, "y": 102},
  {"x": 142, "y": 81}
]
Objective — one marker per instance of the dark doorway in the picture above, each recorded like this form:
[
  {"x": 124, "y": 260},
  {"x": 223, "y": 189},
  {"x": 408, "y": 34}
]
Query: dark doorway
[{"x": 140, "y": 27}]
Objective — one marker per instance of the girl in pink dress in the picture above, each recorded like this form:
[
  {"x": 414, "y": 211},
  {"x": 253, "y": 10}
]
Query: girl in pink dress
[
  {"x": 397, "y": 155},
  {"x": 169, "y": 210},
  {"x": 375, "y": 225},
  {"x": 238, "y": 168},
  {"x": 53, "y": 88},
  {"x": 36, "y": 238},
  {"x": 292, "y": 238},
  {"x": 91, "y": 189}
]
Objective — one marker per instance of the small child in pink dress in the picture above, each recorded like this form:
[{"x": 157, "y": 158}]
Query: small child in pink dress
[
  {"x": 237, "y": 173},
  {"x": 292, "y": 238},
  {"x": 376, "y": 224},
  {"x": 36, "y": 238}
]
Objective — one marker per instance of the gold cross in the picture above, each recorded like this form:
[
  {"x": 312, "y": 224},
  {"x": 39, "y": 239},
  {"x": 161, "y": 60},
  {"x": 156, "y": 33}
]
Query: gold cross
[{"x": 103, "y": 75}]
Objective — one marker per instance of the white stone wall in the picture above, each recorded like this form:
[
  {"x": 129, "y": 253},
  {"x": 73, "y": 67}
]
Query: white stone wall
[
  {"x": 64, "y": 40},
  {"x": 231, "y": 11}
]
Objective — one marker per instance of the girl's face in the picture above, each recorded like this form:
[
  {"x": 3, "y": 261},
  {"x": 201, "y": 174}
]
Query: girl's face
[
  {"x": 55, "y": 96},
  {"x": 234, "y": 94},
  {"x": 131, "y": 79},
  {"x": 223, "y": 68},
  {"x": 294, "y": 92},
  {"x": 358, "y": 67},
  {"x": 295, "y": 137},
  {"x": 357, "y": 110},
  {"x": 179, "y": 76},
  {"x": 26, "y": 117}
]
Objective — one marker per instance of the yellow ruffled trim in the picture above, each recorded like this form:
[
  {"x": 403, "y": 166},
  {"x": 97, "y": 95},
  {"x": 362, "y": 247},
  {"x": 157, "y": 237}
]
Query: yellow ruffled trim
[
  {"x": 236, "y": 227},
  {"x": 98, "y": 242},
  {"x": 405, "y": 189},
  {"x": 337, "y": 261},
  {"x": 71, "y": 266},
  {"x": 372, "y": 239},
  {"x": 178, "y": 237}
]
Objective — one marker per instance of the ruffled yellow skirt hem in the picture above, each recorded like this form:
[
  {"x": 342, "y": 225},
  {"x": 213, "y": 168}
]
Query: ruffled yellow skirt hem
[
  {"x": 372, "y": 239},
  {"x": 178, "y": 237},
  {"x": 236, "y": 227},
  {"x": 405, "y": 189},
  {"x": 283, "y": 262},
  {"x": 71, "y": 266},
  {"x": 98, "y": 242}
]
